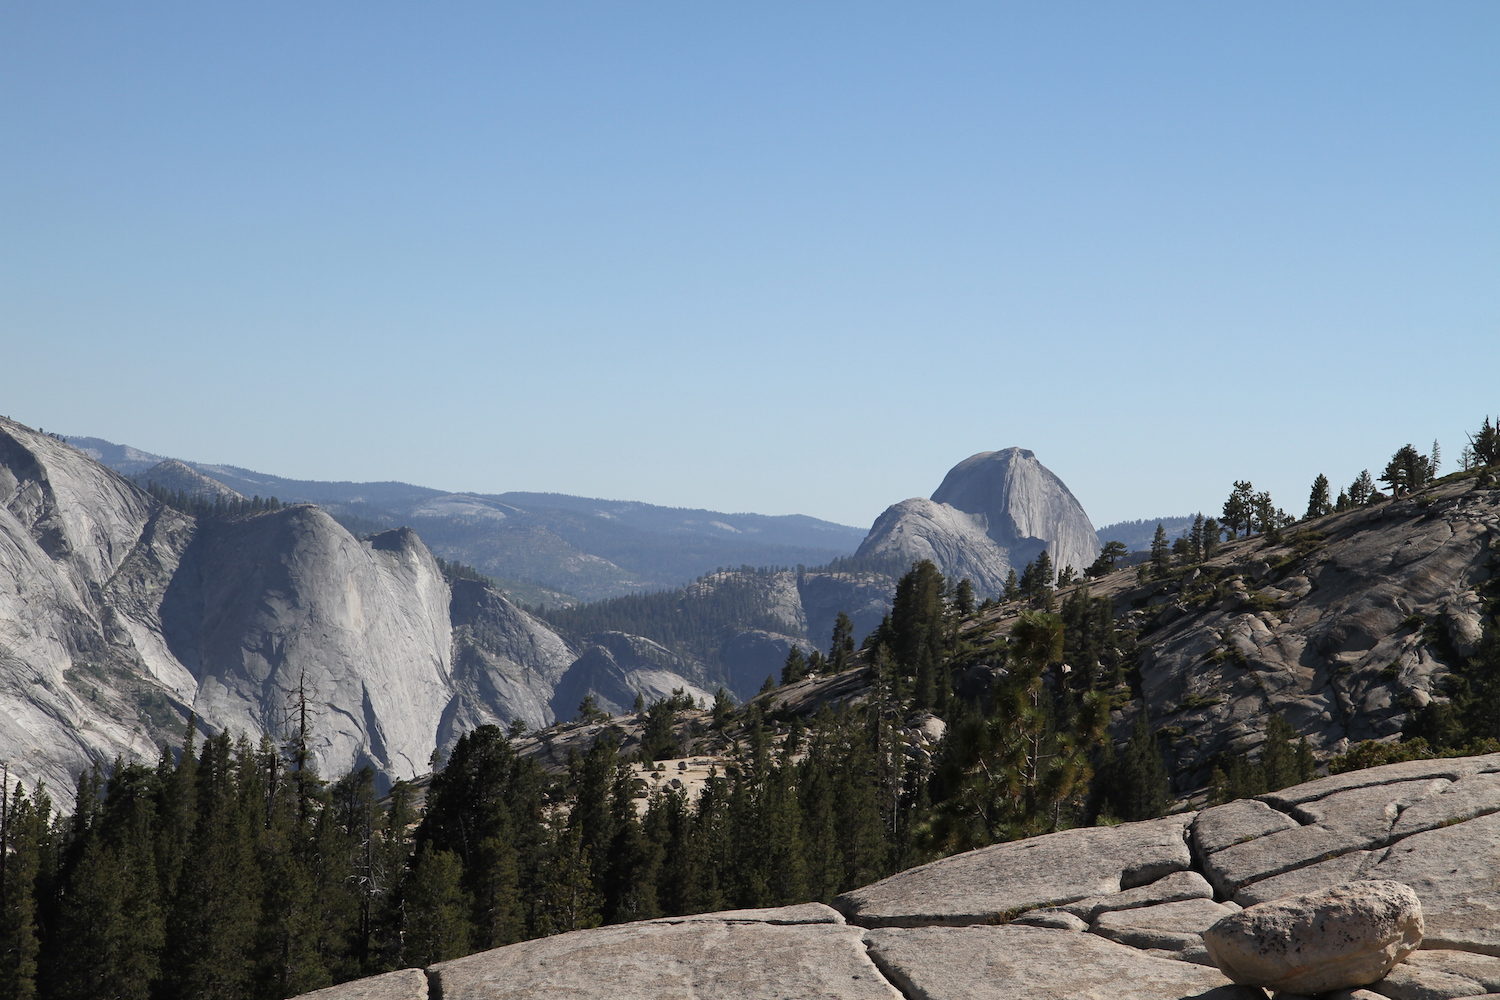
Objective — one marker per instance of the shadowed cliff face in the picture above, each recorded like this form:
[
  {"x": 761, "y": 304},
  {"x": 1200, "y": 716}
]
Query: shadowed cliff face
[
  {"x": 285, "y": 605},
  {"x": 994, "y": 512}
]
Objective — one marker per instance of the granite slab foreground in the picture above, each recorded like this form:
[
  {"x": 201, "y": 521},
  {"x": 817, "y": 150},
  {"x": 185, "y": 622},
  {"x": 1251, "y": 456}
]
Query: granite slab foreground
[{"x": 1109, "y": 913}]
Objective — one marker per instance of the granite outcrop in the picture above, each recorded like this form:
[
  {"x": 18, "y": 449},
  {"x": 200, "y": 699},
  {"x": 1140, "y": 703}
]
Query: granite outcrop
[{"x": 1108, "y": 912}]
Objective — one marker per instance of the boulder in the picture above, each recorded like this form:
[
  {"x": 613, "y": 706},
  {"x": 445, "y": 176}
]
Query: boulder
[{"x": 1341, "y": 937}]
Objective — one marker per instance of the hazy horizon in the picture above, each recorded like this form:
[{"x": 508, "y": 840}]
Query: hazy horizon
[{"x": 785, "y": 260}]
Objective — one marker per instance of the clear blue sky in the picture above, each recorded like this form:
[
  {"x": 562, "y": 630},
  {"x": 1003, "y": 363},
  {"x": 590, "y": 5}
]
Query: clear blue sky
[{"x": 780, "y": 257}]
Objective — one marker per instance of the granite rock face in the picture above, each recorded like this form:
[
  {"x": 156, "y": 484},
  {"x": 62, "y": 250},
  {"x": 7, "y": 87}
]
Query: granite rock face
[
  {"x": 1342, "y": 937},
  {"x": 994, "y": 512},
  {"x": 119, "y": 616},
  {"x": 661, "y": 959},
  {"x": 1343, "y": 627},
  {"x": 997, "y": 883},
  {"x": 616, "y": 667},
  {"x": 1109, "y": 913}
]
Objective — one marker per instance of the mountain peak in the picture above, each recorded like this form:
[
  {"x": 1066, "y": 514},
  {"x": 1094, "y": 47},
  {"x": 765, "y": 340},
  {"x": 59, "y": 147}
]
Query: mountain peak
[{"x": 994, "y": 511}]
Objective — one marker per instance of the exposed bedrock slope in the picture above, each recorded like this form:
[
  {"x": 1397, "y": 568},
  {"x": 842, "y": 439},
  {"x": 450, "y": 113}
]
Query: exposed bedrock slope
[{"x": 1109, "y": 912}]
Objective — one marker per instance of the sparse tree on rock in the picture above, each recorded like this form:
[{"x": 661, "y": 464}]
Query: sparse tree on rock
[
  {"x": 1161, "y": 552},
  {"x": 1012, "y": 590},
  {"x": 1106, "y": 561},
  {"x": 963, "y": 597},
  {"x": 1407, "y": 470},
  {"x": 1239, "y": 509},
  {"x": 841, "y": 646},
  {"x": 1362, "y": 490},
  {"x": 1484, "y": 444},
  {"x": 795, "y": 667},
  {"x": 1317, "y": 500},
  {"x": 1211, "y": 534}
]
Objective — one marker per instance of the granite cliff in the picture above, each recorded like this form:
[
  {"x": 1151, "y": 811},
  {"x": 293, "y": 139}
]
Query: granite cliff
[
  {"x": 993, "y": 513},
  {"x": 119, "y": 616}
]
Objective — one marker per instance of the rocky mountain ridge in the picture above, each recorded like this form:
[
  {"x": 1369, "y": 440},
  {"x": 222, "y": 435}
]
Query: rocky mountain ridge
[{"x": 1345, "y": 625}]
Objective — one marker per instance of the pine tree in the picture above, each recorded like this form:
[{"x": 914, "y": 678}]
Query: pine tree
[
  {"x": 1036, "y": 581},
  {"x": 1278, "y": 757},
  {"x": 25, "y": 837},
  {"x": 567, "y": 898},
  {"x": 669, "y": 824},
  {"x": 1484, "y": 444},
  {"x": 1111, "y": 552},
  {"x": 1362, "y": 490},
  {"x": 629, "y": 887},
  {"x": 917, "y": 633},
  {"x": 1211, "y": 535},
  {"x": 708, "y": 848},
  {"x": 1140, "y": 789},
  {"x": 1161, "y": 557},
  {"x": 107, "y": 932},
  {"x": 1407, "y": 470},
  {"x": 723, "y": 708},
  {"x": 795, "y": 667},
  {"x": 211, "y": 929},
  {"x": 436, "y": 927},
  {"x": 815, "y": 777},
  {"x": 1317, "y": 499},
  {"x": 1012, "y": 591},
  {"x": 963, "y": 596},
  {"x": 358, "y": 821},
  {"x": 1263, "y": 514},
  {"x": 1018, "y": 772},
  {"x": 841, "y": 646},
  {"x": 1239, "y": 509}
]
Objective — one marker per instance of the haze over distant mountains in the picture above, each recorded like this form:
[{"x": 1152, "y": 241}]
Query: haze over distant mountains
[{"x": 545, "y": 548}]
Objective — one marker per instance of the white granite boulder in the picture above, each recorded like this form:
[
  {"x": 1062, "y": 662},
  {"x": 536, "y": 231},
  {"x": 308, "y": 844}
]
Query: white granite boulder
[{"x": 1337, "y": 938}]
